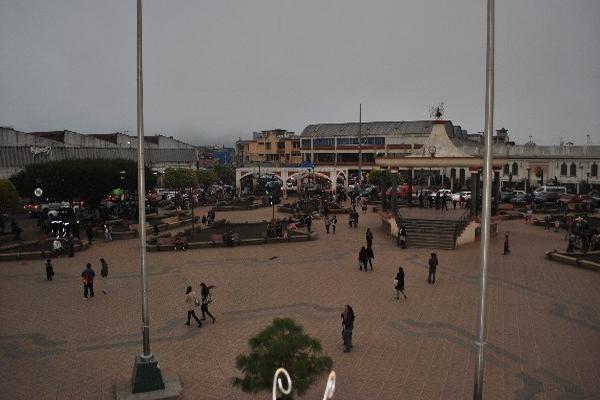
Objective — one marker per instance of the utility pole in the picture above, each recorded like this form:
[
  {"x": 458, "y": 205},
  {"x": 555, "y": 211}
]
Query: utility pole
[
  {"x": 360, "y": 144},
  {"x": 146, "y": 375},
  {"x": 487, "y": 199}
]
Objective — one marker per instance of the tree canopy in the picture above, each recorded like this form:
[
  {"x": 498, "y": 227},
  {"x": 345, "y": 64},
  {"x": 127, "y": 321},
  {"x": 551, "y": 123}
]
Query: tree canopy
[
  {"x": 281, "y": 344},
  {"x": 90, "y": 180},
  {"x": 206, "y": 177},
  {"x": 180, "y": 178},
  {"x": 9, "y": 198}
]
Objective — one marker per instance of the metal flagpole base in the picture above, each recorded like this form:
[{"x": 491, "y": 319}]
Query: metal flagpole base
[{"x": 146, "y": 374}]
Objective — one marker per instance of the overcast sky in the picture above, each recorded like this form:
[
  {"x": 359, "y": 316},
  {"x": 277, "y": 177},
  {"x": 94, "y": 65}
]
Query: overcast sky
[{"x": 216, "y": 70}]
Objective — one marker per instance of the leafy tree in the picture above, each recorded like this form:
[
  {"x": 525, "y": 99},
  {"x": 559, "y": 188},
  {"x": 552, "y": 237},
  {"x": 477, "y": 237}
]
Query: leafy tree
[
  {"x": 281, "y": 344},
  {"x": 206, "y": 177},
  {"x": 379, "y": 177},
  {"x": 180, "y": 178},
  {"x": 9, "y": 198},
  {"x": 225, "y": 173},
  {"x": 90, "y": 180}
]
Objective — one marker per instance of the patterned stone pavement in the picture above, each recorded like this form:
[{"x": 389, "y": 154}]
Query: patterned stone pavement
[{"x": 543, "y": 326}]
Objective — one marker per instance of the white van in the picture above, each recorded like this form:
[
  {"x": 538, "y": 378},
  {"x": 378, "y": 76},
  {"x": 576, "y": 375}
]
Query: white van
[{"x": 559, "y": 189}]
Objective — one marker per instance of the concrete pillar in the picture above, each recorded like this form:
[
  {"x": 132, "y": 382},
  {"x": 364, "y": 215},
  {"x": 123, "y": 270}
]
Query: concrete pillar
[
  {"x": 410, "y": 183},
  {"x": 394, "y": 197},
  {"x": 474, "y": 192},
  {"x": 496, "y": 190}
]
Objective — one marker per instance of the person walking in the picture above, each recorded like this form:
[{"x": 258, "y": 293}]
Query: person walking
[
  {"x": 89, "y": 231},
  {"x": 556, "y": 224},
  {"x": 347, "y": 327},
  {"x": 402, "y": 238},
  {"x": 191, "y": 301},
  {"x": 87, "y": 278},
  {"x": 399, "y": 283},
  {"x": 71, "y": 245},
  {"x": 506, "y": 245},
  {"x": 104, "y": 275},
  {"x": 107, "y": 231},
  {"x": 362, "y": 258},
  {"x": 333, "y": 223},
  {"x": 370, "y": 256},
  {"x": 369, "y": 237},
  {"x": 355, "y": 219},
  {"x": 444, "y": 202},
  {"x": 327, "y": 223},
  {"x": 49, "y": 270},
  {"x": 206, "y": 300},
  {"x": 308, "y": 222},
  {"x": 433, "y": 263}
]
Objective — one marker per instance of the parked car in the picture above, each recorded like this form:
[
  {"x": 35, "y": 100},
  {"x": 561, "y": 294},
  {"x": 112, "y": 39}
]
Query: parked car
[
  {"x": 570, "y": 198},
  {"x": 465, "y": 194},
  {"x": 506, "y": 196},
  {"x": 522, "y": 198},
  {"x": 32, "y": 208},
  {"x": 448, "y": 193},
  {"x": 547, "y": 197},
  {"x": 558, "y": 189}
]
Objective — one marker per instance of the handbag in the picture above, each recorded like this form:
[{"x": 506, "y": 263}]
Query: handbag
[
  {"x": 395, "y": 282},
  {"x": 196, "y": 302}
]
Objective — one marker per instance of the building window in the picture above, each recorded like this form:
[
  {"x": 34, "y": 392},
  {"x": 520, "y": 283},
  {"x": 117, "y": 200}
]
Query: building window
[
  {"x": 563, "y": 169},
  {"x": 296, "y": 145},
  {"x": 323, "y": 142},
  {"x": 268, "y": 146},
  {"x": 374, "y": 140},
  {"x": 347, "y": 141},
  {"x": 573, "y": 170},
  {"x": 515, "y": 169},
  {"x": 306, "y": 143},
  {"x": 594, "y": 170},
  {"x": 506, "y": 169}
]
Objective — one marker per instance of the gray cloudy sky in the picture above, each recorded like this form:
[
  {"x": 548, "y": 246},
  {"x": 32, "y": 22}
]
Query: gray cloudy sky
[{"x": 216, "y": 70}]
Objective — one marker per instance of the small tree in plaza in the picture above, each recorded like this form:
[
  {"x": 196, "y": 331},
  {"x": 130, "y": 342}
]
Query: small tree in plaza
[
  {"x": 206, "y": 177},
  {"x": 225, "y": 174},
  {"x": 180, "y": 178},
  {"x": 9, "y": 198},
  {"x": 281, "y": 344},
  {"x": 90, "y": 180}
]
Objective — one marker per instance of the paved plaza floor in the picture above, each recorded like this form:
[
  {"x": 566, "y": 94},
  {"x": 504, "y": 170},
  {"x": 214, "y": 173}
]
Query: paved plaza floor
[{"x": 543, "y": 325}]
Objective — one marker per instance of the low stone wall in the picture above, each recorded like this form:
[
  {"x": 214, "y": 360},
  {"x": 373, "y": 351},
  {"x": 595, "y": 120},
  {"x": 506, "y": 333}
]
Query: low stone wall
[
  {"x": 291, "y": 210},
  {"x": 36, "y": 255},
  {"x": 573, "y": 259},
  {"x": 294, "y": 237},
  {"x": 166, "y": 226},
  {"x": 253, "y": 206}
]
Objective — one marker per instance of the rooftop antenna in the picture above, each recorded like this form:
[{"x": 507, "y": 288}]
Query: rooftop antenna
[{"x": 437, "y": 112}]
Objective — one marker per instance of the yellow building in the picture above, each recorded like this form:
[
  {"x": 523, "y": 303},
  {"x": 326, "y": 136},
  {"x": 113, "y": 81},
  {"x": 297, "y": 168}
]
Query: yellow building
[{"x": 273, "y": 146}]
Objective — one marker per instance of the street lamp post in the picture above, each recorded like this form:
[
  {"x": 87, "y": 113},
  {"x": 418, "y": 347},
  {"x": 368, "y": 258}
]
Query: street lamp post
[
  {"x": 487, "y": 197},
  {"x": 146, "y": 375}
]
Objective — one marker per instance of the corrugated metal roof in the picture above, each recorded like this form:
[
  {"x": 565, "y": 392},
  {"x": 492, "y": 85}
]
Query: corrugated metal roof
[{"x": 375, "y": 128}]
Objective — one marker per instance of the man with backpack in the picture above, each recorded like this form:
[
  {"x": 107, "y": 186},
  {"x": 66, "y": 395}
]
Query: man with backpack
[{"x": 87, "y": 278}]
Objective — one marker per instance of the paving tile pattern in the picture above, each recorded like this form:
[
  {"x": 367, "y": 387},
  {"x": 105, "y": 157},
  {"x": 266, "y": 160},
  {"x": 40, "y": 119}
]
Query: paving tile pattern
[{"x": 543, "y": 325}]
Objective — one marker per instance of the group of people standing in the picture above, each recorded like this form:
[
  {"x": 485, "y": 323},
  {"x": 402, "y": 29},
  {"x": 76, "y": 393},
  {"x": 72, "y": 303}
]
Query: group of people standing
[
  {"x": 87, "y": 277},
  {"x": 366, "y": 255},
  {"x": 192, "y": 301}
]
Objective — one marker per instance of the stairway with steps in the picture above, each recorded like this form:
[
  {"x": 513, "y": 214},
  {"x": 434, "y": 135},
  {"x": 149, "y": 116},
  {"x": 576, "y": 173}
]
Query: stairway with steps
[{"x": 428, "y": 233}]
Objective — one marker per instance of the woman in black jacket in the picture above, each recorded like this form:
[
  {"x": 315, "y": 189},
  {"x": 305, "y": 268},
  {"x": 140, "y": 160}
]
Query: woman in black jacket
[
  {"x": 399, "y": 281},
  {"x": 206, "y": 300},
  {"x": 347, "y": 327},
  {"x": 362, "y": 258}
]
